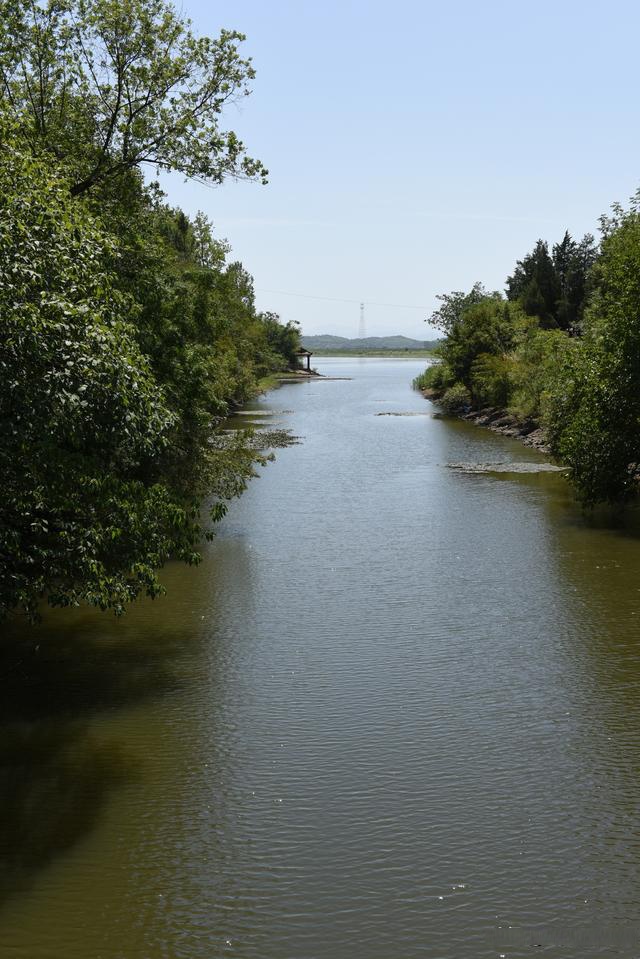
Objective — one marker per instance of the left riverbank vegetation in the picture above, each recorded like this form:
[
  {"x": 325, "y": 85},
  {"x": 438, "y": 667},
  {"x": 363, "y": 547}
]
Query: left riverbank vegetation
[
  {"x": 559, "y": 349},
  {"x": 127, "y": 330}
]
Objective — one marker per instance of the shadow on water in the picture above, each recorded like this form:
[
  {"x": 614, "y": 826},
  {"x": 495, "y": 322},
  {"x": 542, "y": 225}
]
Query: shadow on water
[
  {"x": 621, "y": 521},
  {"x": 56, "y": 774}
]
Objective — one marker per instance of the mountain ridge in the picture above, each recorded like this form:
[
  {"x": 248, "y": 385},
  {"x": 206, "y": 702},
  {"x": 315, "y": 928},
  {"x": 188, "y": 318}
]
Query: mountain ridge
[{"x": 326, "y": 341}]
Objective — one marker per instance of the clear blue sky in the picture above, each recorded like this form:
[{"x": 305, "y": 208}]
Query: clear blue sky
[{"x": 415, "y": 147}]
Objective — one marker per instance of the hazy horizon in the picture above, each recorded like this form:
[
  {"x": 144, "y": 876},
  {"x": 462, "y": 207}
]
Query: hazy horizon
[{"x": 373, "y": 336}]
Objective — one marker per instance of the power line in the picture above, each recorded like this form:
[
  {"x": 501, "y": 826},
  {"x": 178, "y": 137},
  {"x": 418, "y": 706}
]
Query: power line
[{"x": 337, "y": 299}]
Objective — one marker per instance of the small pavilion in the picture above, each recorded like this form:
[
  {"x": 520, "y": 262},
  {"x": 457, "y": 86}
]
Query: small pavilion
[{"x": 302, "y": 356}]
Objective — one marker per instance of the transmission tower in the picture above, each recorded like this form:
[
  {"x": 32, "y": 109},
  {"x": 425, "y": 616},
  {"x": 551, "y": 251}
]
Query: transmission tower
[{"x": 362, "y": 330}]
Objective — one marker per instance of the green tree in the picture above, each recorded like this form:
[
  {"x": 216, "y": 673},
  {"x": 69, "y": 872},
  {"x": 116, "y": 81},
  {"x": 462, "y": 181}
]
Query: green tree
[
  {"x": 283, "y": 339},
  {"x": 207, "y": 252},
  {"x": 453, "y": 306},
  {"x": 126, "y": 335},
  {"x": 474, "y": 366},
  {"x": 106, "y": 453},
  {"x": 595, "y": 410},
  {"x": 572, "y": 263},
  {"x": 483, "y": 329},
  {"x": 491, "y": 379},
  {"x": 554, "y": 287},
  {"x": 110, "y": 85},
  {"x": 82, "y": 419},
  {"x": 536, "y": 361},
  {"x": 535, "y": 284}
]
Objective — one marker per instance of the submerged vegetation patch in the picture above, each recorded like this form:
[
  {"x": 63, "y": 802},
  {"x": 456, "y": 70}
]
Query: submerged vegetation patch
[
  {"x": 501, "y": 467},
  {"x": 274, "y": 439}
]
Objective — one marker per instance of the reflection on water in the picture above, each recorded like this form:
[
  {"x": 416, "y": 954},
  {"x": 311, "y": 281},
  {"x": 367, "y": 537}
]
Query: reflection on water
[
  {"x": 395, "y": 712},
  {"x": 54, "y": 782},
  {"x": 66, "y": 757},
  {"x": 55, "y": 775}
]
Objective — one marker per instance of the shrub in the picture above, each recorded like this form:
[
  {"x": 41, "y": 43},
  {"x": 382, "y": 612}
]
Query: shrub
[
  {"x": 534, "y": 371},
  {"x": 490, "y": 380},
  {"x": 456, "y": 399},
  {"x": 437, "y": 377}
]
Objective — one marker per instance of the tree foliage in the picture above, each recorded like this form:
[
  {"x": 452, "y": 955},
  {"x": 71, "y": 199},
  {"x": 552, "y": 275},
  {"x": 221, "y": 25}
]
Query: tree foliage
[
  {"x": 126, "y": 335},
  {"x": 482, "y": 329},
  {"x": 595, "y": 424},
  {"x": 82, "y": 417},
  {"x": 110, "y": 85},
  {"x": 553, "y": 287},
  {"x": 524, "y": 355},
  {"x": 454, "y": 305}
]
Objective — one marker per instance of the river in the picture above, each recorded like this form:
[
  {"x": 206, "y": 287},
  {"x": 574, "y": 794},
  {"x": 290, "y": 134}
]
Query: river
[{"x": 395, "y": 713}]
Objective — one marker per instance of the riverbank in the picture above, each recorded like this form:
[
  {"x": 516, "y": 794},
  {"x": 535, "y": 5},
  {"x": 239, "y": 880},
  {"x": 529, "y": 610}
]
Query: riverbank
[
  {"x": 529, "y": 432},
  {"x": 274, "y": 380},
  {"x": 295, "y": 376}
]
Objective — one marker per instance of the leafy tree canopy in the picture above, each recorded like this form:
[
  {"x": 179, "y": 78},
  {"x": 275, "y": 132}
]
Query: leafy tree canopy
[
  {"x": 110, "y": 85},
  {"x": 126, "y": 336},
  {"x": 454, "y": 305},
  {"x": 553, "y": 286},
  {"x": 485, "y": 328},
  {"x": 82, "y": 418},
  {"x": 595, "y": 425}
]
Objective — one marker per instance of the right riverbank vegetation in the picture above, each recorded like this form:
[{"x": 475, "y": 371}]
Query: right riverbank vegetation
[
  {"x": 127, "y": 332},
  {"x": 561, "y": 351}
]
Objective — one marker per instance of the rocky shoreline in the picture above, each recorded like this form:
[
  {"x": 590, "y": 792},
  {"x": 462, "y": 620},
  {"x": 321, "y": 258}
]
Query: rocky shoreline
[{"x": 500, "y": 421}]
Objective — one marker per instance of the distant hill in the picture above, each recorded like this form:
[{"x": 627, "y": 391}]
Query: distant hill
[{"x": 324, "y": 342}]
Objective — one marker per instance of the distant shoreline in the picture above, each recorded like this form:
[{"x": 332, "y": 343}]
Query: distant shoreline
[{"x": 409, "y": 354}]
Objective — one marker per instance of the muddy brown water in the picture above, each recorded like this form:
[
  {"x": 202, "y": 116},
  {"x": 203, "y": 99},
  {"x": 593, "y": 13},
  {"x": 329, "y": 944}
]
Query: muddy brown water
[{"x": 395, "y": 713}]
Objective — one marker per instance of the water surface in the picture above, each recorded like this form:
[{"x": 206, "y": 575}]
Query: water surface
[{"x": 395, "y": 713}]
